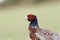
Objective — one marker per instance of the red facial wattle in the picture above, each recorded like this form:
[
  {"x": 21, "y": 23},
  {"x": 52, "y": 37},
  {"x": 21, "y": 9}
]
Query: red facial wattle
[{"x": 30, "y": 17}]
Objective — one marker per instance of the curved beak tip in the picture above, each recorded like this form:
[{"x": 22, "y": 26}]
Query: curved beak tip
[{"x": 25, "y": 18}]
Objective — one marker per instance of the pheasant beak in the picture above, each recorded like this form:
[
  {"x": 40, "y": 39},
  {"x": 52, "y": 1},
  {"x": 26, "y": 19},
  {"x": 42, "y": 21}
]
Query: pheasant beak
[{"x": 26, "y": 18}]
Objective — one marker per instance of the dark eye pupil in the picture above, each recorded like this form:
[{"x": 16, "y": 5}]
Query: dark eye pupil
[{"x": 28, "y": 20}]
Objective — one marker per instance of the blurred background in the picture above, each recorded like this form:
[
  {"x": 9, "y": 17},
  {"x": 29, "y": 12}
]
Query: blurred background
[
  {"x": 20, "y": 2},
  {"x": 13, "y": 26}
]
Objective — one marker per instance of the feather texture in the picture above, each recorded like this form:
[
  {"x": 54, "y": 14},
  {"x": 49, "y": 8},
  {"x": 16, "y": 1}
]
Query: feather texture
[{"x": 37, "y": 33}]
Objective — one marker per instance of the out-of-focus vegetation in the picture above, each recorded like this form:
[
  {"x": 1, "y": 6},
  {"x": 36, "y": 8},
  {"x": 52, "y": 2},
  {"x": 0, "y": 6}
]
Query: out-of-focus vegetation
[
  {"x": 9, "y": 2},
  {"x": 20, "y": 2}
]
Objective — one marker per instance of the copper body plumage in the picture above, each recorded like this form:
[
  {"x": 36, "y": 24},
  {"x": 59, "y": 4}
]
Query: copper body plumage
[{"x": 37, "y": 33}]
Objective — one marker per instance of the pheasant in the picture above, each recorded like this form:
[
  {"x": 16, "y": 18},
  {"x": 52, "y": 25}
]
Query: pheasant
[{"x": 37, "y": 33}]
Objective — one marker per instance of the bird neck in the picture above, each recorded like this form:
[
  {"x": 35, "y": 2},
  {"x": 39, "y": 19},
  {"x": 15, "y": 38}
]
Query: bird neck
[{"x": 34, "y": 24}]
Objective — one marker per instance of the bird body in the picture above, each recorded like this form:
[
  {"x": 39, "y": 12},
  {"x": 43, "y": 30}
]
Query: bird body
[
  {"x": 47, "y": 35},
  {"x": 37, "y": 33}
]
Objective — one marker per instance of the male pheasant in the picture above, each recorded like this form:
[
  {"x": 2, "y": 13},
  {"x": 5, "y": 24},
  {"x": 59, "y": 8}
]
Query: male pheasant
[{"x": 37, "y": 33}]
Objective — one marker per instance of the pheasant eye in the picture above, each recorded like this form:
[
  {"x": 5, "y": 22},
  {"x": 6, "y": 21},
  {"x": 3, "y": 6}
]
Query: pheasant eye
[{"x": 28, "y": 16}]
